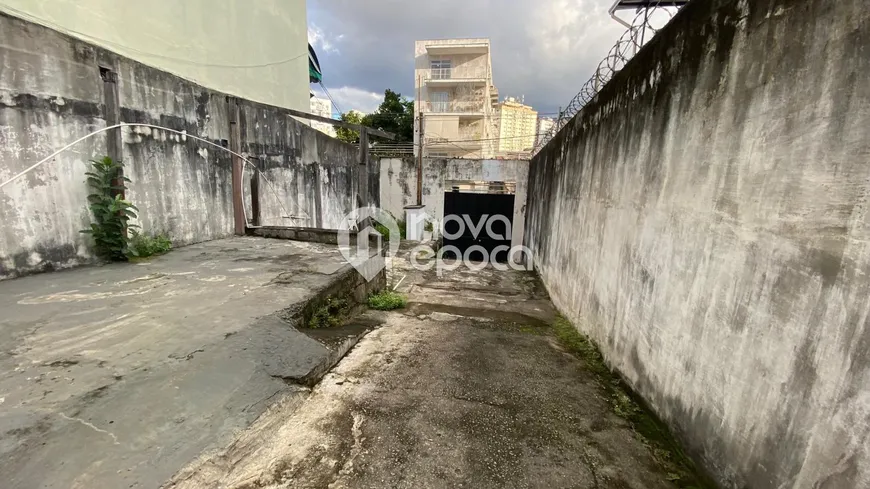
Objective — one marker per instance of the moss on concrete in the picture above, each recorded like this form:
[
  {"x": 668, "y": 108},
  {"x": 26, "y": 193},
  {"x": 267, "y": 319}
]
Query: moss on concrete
[{"x": 665, "y": 449}]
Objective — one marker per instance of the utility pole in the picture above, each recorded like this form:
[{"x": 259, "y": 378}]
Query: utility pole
[{"x": 420, "y": 164}]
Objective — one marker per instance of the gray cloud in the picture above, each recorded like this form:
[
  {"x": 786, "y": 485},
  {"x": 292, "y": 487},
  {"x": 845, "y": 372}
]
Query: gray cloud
[{"x": 543, "y": 49}]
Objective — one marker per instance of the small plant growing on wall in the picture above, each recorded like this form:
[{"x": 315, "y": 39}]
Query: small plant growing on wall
[{"x": 110, "y": 212}]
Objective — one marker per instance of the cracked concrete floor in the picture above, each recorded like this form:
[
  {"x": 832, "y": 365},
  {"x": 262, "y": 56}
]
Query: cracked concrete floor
[{"x": 464, "y": 388}]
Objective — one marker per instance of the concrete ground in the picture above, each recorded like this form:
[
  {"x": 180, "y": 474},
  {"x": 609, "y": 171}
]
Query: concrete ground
[
  {"x": 464, "y": 388},
  {"x": 118, "y": 376}
]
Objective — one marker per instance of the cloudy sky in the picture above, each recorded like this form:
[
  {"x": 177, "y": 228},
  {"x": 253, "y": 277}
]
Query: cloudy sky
[{"x": 543, "y": 49}]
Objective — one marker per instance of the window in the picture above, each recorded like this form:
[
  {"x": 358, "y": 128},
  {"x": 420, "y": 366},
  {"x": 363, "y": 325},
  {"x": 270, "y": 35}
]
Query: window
[
  {"x": 440, "y": 101},
  {"x": 440, "y": 69}
]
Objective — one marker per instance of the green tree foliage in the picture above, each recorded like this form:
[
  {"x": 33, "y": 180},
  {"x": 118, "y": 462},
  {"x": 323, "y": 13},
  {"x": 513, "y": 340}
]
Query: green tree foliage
[
  {"x": 395, "y": 115},
  {"x": 111, "y": 213},
  {"x": 349, "y": 135}
]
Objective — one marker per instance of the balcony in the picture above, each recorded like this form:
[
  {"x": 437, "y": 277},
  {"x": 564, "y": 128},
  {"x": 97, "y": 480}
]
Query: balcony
[
  {"x": 449, "y": 77},
  {"x": 460, "y": 108},
  {"x": 448, "y": 47},
  {"x": 452, "y": 144}
]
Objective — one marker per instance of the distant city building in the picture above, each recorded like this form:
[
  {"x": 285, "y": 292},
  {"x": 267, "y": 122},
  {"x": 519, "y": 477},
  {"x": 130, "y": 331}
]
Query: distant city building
[
  {"x": 323, "y": 108},
  {"x": 457, "y": 98},
  {"x": 517, "y": 124},
  {"x": 545, "y": 124}
]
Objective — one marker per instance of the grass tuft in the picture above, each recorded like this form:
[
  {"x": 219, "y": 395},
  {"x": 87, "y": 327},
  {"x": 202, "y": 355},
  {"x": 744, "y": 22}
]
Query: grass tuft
[
  {"x": 143, "y": 245},
  {"x": 387, "y": 301}
]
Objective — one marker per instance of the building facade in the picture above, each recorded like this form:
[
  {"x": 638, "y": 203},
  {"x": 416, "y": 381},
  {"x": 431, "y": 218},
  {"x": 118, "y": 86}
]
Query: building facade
[
  {"x": 517, "y": 128},
  {"x": 545, "y": 125},
  {"x": 256, "y": 50},
  {"x": 323, "y": 108},
  {"x": 455, "y": 98}
]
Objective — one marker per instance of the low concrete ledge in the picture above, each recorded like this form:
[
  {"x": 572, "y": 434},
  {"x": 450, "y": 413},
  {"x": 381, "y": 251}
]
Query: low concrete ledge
[{"x": 314, "y": 235}]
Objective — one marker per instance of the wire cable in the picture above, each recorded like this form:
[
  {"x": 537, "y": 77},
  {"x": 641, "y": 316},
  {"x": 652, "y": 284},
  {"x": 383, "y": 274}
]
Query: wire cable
[
  {"x": 334, "y": 104},
  {"x": 131, "y": 124}
]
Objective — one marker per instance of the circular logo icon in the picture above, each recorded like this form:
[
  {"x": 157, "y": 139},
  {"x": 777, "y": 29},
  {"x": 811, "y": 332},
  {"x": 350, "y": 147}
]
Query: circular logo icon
[{"x": 362, "y": 245}]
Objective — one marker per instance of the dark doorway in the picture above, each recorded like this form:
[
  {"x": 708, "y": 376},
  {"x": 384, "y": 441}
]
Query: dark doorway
[{"x": 476, "y": 210}]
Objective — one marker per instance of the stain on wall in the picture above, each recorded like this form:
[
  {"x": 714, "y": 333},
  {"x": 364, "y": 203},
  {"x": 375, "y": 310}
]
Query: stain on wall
[
  {"x": 52, "y": 93},
  {"x": 704, "y": 220}
]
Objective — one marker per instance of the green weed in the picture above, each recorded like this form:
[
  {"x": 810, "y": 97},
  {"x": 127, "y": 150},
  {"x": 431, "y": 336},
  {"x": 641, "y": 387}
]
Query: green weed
[
  {"x": 387, "y": 301},
  {"x": 143, "y": 245}
]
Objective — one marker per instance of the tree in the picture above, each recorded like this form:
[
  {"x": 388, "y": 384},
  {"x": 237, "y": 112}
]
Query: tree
[
  {"x": 349, "y": 135},
  {"x": 395, "y": 115}
]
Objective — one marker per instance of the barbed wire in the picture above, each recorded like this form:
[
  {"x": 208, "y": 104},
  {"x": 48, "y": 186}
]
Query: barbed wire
[{"x": 643, "y": 28}]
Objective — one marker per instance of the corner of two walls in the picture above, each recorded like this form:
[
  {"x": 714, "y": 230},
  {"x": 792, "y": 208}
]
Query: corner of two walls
[{"x": 703, "y": 220}]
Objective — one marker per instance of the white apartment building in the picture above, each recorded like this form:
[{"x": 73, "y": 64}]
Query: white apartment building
[
  {"x": 545, "y": 125},
  {"x": 455, "y": 94},
  {"x": 517, "y": 128},
  {"x": 323, "y": 108}
]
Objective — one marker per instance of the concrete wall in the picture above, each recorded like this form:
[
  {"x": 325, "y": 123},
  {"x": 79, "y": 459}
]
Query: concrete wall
[
  {"x": 398, "y": 184},
  {"x": 705, "y": 220},
  {"x": 257, "y": 50},
  {"x": 52, "y": 93}
]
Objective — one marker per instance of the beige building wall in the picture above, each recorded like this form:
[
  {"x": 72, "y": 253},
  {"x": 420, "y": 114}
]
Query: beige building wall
[
  {"x": 517, "y": 127},
  {"x": 252, "y": 49},
  {"x": 454, "y": 92}
]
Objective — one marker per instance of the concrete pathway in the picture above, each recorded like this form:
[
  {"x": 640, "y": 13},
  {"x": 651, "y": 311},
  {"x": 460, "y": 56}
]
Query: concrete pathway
[
  {"x": 118, "y": 376},
  {"x": 465, "y": 388}
]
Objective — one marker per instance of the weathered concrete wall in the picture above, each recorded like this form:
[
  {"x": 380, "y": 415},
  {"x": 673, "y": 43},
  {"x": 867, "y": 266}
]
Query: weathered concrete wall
[
  {"x": 398, "y": 184},
  {"x": 52, "y": 93},
  {"x": 313, "y": 176},
  {"x": 705, "y": 221}
]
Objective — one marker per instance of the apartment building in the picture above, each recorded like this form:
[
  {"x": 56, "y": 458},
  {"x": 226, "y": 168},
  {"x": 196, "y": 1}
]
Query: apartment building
[
  {"x": 517, "y": 128},
  {"x": 456, "y": 97},
  {"x": 323, "y": 108},
  {"x": 255, "y": 50},
  {"x": 545, "y": 125}
]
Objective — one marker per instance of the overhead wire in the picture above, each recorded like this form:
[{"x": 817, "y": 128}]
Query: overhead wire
[{"x": 334, "y": 103}]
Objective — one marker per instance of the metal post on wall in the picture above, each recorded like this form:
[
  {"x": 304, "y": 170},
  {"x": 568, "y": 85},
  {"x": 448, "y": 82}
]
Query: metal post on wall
[
  {"x": 363, "y": 166},
  {"x": 420, "y": 165},
  {"x": 236, "y": 147},
  {"x": 114, "y": 144},
  {"x": 255, "y": 193}
]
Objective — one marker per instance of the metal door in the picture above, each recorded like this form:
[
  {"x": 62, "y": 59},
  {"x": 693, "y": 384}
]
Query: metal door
[{"x": 478, "y": 226}]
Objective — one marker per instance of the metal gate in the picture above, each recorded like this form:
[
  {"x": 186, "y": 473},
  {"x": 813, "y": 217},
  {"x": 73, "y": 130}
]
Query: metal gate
[{"x": 477, "y": 226}]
